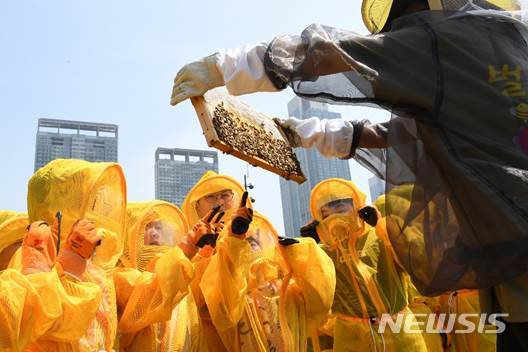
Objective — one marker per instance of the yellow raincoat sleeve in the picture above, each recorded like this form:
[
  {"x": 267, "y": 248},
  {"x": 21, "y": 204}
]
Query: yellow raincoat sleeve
[
  {"x": 44, "y": 306},
  {"x": 200, "y": 264},
  {"x": 224, "y": 283},
  {"x": 314, "y": 274},
  {"x": 145, "y": 298}
]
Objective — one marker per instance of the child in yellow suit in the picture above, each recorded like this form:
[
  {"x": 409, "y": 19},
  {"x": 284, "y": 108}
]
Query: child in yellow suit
[
  {"x": 254, "y": 294},
  {"x": 263, "y": 295},
  {"x": 370, "y": 283},
  {"x": 153, "y": 229}
]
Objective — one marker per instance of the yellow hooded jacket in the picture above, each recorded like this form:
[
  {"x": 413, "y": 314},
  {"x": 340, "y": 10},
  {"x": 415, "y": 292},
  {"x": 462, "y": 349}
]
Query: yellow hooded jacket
[
  {"x": 12, "y": 229},
  {"x": 462, "y": 301},
  {"x": 369, "y": 281},
  {"x": 157, "y": 314},
  {"x": 420, "y": 305},
  {"x": 87, "y": 318},
  {"x": 237, "y": 314},
  {"x": 210, "y": 182}
]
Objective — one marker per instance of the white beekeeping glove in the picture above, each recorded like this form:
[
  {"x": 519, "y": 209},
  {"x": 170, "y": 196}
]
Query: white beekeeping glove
[{"x": 333, "y": 138}]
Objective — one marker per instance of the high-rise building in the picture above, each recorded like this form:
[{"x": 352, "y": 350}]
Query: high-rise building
[
  {"x": 295, "y": 197},
  {"x": 376, "y": 187},
  {"x": 74, "y": 140},
  {"x": 177, "y": 170}
]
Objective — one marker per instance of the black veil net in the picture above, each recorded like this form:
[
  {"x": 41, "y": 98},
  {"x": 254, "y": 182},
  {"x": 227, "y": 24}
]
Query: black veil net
[{"x": 456, "y": 162}]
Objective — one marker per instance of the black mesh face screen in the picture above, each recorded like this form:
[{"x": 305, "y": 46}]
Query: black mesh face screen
[{"x": 456, "y": 162}]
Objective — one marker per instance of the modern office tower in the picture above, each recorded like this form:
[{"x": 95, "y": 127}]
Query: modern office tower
[
  {"x": 75, "y": 140},
  {"x": 295, "y": 197},
  {"x": 177, "y": 170}
]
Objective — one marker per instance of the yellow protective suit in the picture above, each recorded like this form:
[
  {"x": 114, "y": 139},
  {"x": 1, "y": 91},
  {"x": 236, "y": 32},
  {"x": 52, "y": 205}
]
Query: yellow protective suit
[
  {"x": 463, "y": 301},
  {"x": 96, "y": 191},
  {"x": 80, "y": 189},
  {"x": 209, "y": 183},
  {"x": 265, "y": 297},
  {"x": 247, "y": 325},
  {"x": 467, "y": 301},
  {"x": 157, "y": 329},
  {"x": 145, "y": 298},
  {"x": 39, "y": 310},
  {"x": 369, "y": 281},
  {"x": 419, "y": 304},
  {"x": 12, "y": 229}
]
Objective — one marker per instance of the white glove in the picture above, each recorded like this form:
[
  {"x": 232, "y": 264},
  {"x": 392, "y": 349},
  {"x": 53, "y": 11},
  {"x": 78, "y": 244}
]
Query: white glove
[
  {"x": 240, "y": 69},
  {"x": 196, "y": 78},
  {"x": 333, "y": 138}
]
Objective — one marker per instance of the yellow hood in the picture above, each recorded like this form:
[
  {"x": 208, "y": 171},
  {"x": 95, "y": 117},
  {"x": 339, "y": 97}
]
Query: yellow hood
[
  {"x": 211, "y": 182},
  {"x": 12, "y": 228},
  {"x": 331, "y": 190},
  {"x": 80, "y": 189},
  {"x": 139, "y": 215}
]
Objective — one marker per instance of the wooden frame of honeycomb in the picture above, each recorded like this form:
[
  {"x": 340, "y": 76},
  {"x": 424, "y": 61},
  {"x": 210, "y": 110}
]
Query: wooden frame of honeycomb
[{"x": 232, "y": 133}]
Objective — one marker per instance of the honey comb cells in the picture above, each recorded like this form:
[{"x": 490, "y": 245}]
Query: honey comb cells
[{"x": 254, "y": 140}]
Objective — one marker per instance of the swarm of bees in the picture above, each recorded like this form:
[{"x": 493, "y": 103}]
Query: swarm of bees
[{"x": 254, "y": 140}]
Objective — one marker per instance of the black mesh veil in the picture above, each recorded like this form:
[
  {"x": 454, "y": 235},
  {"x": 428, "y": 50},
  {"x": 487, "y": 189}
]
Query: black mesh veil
[{"x": 456, "y": 162}]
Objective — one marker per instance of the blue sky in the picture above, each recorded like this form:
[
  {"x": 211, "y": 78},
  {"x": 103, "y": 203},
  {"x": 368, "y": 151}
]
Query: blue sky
[{"x": 114, "y": 61}]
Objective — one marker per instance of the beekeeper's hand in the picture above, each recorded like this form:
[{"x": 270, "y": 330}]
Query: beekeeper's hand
[
  {"x": 288, "y": 127},
  {"x": 240, "y": 69},
  {"x": 333, "y": 138},
  {"x": 196, "y": 78}
]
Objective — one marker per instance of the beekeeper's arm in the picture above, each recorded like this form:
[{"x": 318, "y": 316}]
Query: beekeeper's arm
[
  {"x": 224, "y": 283},
  {"x": 242, "y": 71},
  {"x": 335, "y": 137},
  {"x": 314, "y": 274},
  {"x": 144, "y": 298},
  {"x": 394, "y": 68}
]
